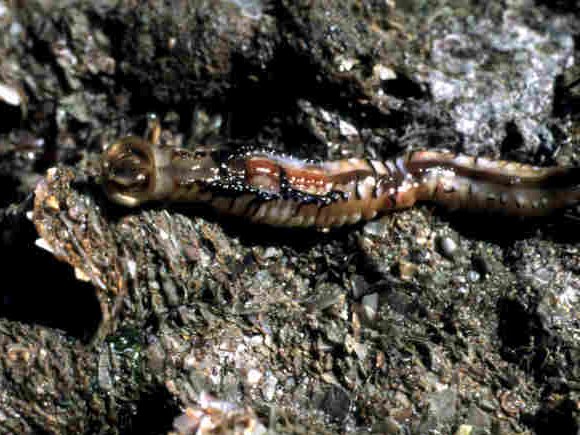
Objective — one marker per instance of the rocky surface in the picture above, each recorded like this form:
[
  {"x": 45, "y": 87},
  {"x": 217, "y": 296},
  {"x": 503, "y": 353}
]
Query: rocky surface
[{"x": 173, "y": 319}]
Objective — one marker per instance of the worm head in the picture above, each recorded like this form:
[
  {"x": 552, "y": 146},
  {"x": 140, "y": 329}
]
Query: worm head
[{"x": 128, "y": 169}]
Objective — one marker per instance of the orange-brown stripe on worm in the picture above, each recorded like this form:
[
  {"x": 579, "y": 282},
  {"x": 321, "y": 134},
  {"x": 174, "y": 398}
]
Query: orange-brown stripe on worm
[{"x": 268, "y": 188}]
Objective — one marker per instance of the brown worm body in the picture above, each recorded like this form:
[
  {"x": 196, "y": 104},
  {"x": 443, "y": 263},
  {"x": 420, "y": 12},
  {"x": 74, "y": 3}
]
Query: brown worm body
[{"x": 268, "y": 188}]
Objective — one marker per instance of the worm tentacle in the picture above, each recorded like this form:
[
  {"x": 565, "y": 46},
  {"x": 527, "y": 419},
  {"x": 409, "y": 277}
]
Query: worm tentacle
[{"x": 269, "y": 188}]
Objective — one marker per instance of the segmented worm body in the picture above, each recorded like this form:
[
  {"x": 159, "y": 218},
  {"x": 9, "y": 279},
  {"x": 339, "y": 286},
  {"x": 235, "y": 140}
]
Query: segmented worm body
[{"x": 265, "y": 187}]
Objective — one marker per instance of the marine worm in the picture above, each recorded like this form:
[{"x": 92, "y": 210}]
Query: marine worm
[{"x": 268, "y": 188}]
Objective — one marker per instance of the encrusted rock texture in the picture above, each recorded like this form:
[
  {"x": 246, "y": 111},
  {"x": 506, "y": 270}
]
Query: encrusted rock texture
[{"x": 173, "y": 319}]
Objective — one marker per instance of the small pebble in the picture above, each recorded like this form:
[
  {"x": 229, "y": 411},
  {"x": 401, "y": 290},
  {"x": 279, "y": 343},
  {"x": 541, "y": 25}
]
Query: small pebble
[
  {"x": 375, "y": 229},
  {"x": 464, "y": 429},
  {"x": 10, "y": 95},
  {"x": 370, "y": 305},
  {"x": 473, "y": 276},
  {"x": 359, "y": 286},
  {"x": 43, "y": 244},
  {"x": 448, "y": 247},
  {"x": 81, "y": 275},
  {"x": 254, "y": 376},
  {"x": 407, "y": 270}
]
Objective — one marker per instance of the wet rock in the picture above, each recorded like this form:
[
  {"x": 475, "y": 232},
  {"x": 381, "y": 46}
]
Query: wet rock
[
  {"x": 88, "y": 248},
  {"x": 460, "y": 54}
]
